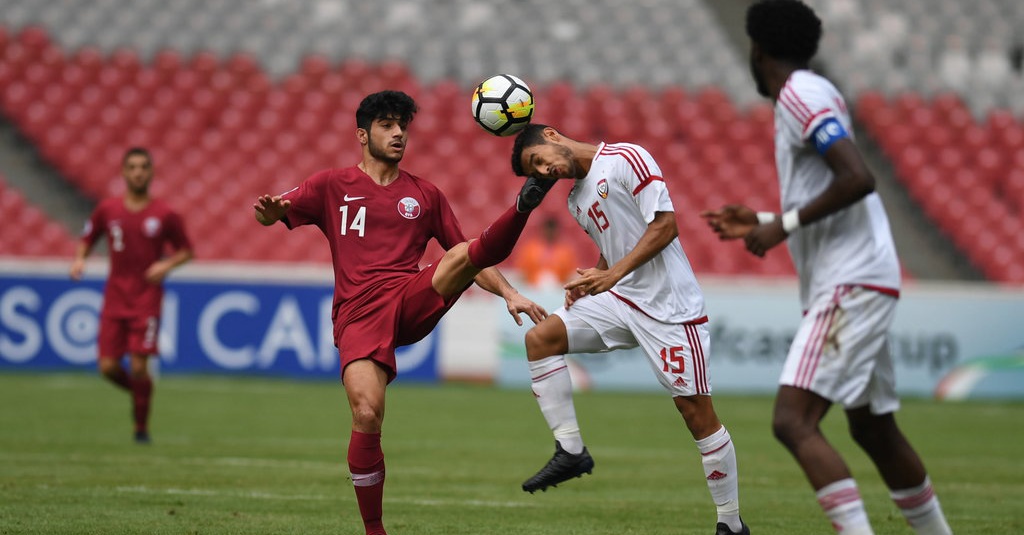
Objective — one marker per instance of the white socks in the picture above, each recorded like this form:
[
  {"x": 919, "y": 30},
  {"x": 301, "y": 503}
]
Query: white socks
[
  {"x": 552, "y": 387},
  {"x": 718, "y": 455},
  {"x": 843, "y": 505},
  {"x": 921, "y": 508}
]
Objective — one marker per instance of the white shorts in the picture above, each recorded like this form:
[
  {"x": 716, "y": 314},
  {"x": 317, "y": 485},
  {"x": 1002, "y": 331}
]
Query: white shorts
[
  {"x": 676, "y": 352},
  {"x": 841, "y": 350}
]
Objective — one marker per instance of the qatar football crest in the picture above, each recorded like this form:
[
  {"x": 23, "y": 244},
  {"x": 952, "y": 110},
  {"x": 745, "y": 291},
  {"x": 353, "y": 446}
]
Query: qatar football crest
[
  {"x": 151, "y": 226},
  {"x": 409, "y": 208}
]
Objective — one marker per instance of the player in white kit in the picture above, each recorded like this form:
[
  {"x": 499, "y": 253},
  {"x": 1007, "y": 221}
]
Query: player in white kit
[
  {"x": 641, "y": 293},
  {"x": 839, "y": 238}
]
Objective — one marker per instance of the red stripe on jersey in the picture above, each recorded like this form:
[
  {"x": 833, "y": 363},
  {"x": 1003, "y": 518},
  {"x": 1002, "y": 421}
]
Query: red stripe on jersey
[
  {"x": 631, "y": 154},
  {"x": 793, "y": 110},
  {"x": 800, "y": 102},
  {"x": 640, "y": 169},
  {"x": 651, "y": 179},
  {"x": 803, "y": 128},
  {"x": 790, "y": 95}
]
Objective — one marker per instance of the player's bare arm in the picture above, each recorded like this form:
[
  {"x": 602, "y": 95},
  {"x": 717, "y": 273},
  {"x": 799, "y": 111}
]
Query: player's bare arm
[
  {"x": 78, "y": 264},
  {"x": 852, "y": 182},
  {"x": 493, "y": 281},
  {"x": 731, "y": 222},
  {"x": 660, "y": 232},
  {"x": 270, "y": 209},
  {"x": 158, "y": 271}
]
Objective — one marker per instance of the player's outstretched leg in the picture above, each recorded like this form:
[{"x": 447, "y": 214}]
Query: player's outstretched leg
[
  {"x": 498, "y": 239},
  {"x": 563, "y": 466},
  {"x": 533, "y": 193}
]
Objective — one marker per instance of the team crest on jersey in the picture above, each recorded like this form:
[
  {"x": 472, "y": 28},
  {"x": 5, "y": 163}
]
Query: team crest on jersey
[
  {"x": 409, "y": 208},
  {"x": 151, "y": 226},
  {"x": 602, "y": 188}
]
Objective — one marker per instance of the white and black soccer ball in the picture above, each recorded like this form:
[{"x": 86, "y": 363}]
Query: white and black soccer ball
[{"x": 502, "y": 104}]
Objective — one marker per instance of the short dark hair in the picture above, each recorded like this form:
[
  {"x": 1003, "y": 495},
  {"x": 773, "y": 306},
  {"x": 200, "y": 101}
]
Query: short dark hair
[
  {"x": 136, "y": 151},
  {"x": 784, "y": 29},
  {"x": 384, "y": 104},
  {"x": 532, "y": 135}
]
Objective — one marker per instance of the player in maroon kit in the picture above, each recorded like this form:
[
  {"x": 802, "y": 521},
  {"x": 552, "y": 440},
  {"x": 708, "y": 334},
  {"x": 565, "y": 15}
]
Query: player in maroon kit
[
  {"x": 378, "y": 220},
  {"x": 138, "y": 229}
]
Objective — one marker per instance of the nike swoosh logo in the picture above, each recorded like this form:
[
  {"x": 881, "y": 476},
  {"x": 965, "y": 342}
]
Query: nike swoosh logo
[{"x": 350, "y": 199}]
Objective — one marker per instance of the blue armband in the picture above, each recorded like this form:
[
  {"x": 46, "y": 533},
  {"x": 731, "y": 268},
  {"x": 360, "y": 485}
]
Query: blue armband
[{"x": 828, "y": 132}]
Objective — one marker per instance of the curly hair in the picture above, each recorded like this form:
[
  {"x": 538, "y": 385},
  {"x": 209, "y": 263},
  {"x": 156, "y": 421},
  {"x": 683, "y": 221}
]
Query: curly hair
[
  {"x": 385, "y": 104},
  {"x": 532, "y": 135},
  {"x": 784, "y": 29}
]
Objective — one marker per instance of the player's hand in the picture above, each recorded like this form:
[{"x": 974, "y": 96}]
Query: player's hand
[
  {"x": 592, "y": 281},
  {"x": 271, "y": 208},
  {"x": 77, "y": 269},
  {"x": 518, "y": 304},
  {"x": 571, "y": 296},
  {"x": 157, "y": 272},
  {"x": 731, "y": 221},
  {"x": 763, "y": 237}
]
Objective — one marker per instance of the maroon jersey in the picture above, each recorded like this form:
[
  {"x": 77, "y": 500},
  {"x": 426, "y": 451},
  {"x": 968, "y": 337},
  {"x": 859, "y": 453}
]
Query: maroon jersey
[
  {"x": 376, "y": 233},
  {"x": 136, "y": 240}
]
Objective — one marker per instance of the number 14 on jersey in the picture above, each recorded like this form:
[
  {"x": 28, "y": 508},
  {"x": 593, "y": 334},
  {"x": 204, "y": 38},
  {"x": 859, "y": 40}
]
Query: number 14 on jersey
[{"x": 358, "y": 221}]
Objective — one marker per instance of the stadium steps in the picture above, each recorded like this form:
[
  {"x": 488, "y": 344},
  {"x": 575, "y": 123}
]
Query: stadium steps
[
  {"x": 40, "y": 184},
  {"x": 925, "y": 252}
]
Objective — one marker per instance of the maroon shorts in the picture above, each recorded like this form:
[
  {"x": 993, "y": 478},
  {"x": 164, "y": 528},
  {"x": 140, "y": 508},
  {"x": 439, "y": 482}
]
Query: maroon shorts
[
  {"x": 136, "y": 335},
  {"x": 401, "y": 312}
]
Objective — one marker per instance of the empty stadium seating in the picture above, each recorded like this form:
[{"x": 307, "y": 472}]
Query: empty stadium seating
[
  {"x": 222, "y": 132},
  {"x": 236, "y": 102},
  {"x": 27, "y": 232},
  {"x": 967, "y": 175}
]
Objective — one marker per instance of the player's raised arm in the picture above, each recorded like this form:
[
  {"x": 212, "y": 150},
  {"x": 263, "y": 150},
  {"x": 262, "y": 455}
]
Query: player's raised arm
[{"x": 270, "y": 209}]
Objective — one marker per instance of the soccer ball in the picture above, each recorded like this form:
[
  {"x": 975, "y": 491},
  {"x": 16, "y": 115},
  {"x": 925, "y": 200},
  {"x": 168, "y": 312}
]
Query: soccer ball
[{"x": 502, "y": 104}]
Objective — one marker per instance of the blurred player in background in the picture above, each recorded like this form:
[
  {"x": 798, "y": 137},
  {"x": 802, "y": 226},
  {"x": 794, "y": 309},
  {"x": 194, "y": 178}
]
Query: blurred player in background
[
  {"x": 546, "y": 261},
  {"x": 378, "y": 220},
  {"x": 642, "y": 292},
  {"x": 839, "y": 237},
  {"x": 138, "y": 229}
]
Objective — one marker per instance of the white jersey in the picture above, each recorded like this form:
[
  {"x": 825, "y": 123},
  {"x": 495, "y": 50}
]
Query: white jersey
[
  {"x": 614, "y": 204},
  {"x": 852, "y": 246}
]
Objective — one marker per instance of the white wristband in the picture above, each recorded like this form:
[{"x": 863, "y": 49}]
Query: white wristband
[
  {"x": 763, "y": 218},
  {"x": 791, "y": 221}
]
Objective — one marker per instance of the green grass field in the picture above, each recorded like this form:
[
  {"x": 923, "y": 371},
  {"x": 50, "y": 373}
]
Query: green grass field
[{"x": 255, "y": 456}]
